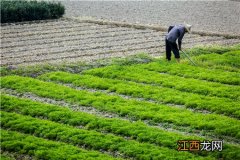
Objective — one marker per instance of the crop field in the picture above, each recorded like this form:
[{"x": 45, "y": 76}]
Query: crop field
[
  {"x": 70, "y": 40},
  {"x": 124, "y": 111}
]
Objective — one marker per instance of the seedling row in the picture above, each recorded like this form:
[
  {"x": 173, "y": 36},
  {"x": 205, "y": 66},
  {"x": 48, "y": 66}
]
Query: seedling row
[{"x": 47, "y": 129}]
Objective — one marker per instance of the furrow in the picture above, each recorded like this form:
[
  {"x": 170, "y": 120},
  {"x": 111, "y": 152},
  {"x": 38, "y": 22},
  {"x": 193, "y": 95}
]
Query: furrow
[
  {"x": 73, "y": 53},
  {"x": 102, "y": 44},
  {"x": 50, "y": 27},
  {"x": 90, "y": 57},
  {"x": 33, "y": 24},
  {"x": 6, "y": 52},
  {"x": 73, "y": 37},
  {"x": 46, "y": 33},
  {"x": 35, "y": 58},
  {"x": 93, "y": 40}
]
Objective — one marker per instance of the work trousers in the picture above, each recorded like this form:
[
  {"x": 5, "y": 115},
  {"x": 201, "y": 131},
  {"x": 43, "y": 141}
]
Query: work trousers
[{"x": 171, "y": 46}]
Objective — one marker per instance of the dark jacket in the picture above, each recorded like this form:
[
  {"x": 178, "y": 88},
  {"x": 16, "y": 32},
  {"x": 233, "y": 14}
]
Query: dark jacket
[{"x": 176, "y": 33}]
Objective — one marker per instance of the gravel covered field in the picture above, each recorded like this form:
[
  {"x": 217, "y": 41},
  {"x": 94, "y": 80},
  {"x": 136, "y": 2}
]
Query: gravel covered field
[
  {"x": 215, "y": 16},
  {"x": 68, "y": 40}
]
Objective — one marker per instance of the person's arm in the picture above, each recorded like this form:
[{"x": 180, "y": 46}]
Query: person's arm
[{"x": 180, "y": 39}]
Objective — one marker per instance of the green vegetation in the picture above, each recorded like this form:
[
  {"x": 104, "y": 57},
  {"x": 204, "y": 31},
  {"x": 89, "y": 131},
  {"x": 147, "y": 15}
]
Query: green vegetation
[
  {"x": 221, "y": 125},
  {"x": 228, "y": 61},
  {"x": 136, "y": 130},
  {"x": 201, "y": 50},
  {"x": 44, "y": 149},
  {"x": 219, "y": 105},
  {"x": 176, "y": 99},
  {"x": 6, "y": 157},
  {"x": 18, "y": 11},
  {"x": 218, "y": 51},
  {"x": 76, "y": 67},
  {"x": 186, "y": 71},
  {"x": 91, "y": 139}
]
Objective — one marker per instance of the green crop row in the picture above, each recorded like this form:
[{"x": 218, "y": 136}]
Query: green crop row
[
  {"x": 218, "y": 124},
  {"x": 166, "y": 95},
  {"x": 17, "y": 11},
  {"x": 136, "y": 130},
  {"x": 137, "y": 74},
  {"x": 219, "y": 105},
  {"x": 90, "y": 139},
  {"x": 189, "y": 71},
  {"x": 228, "y": 61},
  {"x": 45, "y": 149},
  {"x": 200, "y": 50}
]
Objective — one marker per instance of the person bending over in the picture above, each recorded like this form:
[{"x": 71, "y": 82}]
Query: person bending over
[{"x": 175, "y": 33}]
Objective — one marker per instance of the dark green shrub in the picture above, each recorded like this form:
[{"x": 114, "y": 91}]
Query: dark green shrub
[{"x": 18, "y": 11}]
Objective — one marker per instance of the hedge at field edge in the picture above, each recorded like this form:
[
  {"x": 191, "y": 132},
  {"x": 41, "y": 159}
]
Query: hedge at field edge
[{"x": 18, "y": 11}]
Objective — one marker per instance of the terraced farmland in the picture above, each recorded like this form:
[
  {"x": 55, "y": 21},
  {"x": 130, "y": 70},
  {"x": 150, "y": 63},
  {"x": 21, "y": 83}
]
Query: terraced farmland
[
  {"x": 69, "y": 40},
  {"x": 136, "y": 111}
]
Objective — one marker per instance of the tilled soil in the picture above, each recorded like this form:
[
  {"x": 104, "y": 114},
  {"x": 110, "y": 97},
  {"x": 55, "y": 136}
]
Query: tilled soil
[
  {"x": 68, "y": 40},
  {"x": 215, "y": 16}
]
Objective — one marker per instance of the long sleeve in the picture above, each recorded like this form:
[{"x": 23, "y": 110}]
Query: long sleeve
[{"x": 182, "y": 32}]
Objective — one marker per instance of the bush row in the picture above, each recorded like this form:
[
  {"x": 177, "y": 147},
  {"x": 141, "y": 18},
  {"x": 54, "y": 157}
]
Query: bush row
[
  {"x": 17, "y": 11},
  {"x": 218, "y": 124}
]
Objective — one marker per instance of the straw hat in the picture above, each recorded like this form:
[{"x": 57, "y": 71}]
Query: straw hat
[{"x": 188, "y": 27}]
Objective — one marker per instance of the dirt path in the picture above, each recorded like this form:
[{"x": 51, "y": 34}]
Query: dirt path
[{"x": 69, "y": 40}]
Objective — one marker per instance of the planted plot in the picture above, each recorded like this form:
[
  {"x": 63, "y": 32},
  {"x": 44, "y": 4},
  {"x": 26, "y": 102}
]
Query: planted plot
[
  {"x": 134, "y": 130},
  {"x": 149, "y": 92},
  {"x": 148, "y": 107},
  {"x": 123, "y": 107},
  {"x": 90, "y": 139}
]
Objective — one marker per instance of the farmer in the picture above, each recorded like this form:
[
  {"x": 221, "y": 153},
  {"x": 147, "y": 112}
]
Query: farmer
[{"x": 175, "y": 33}]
